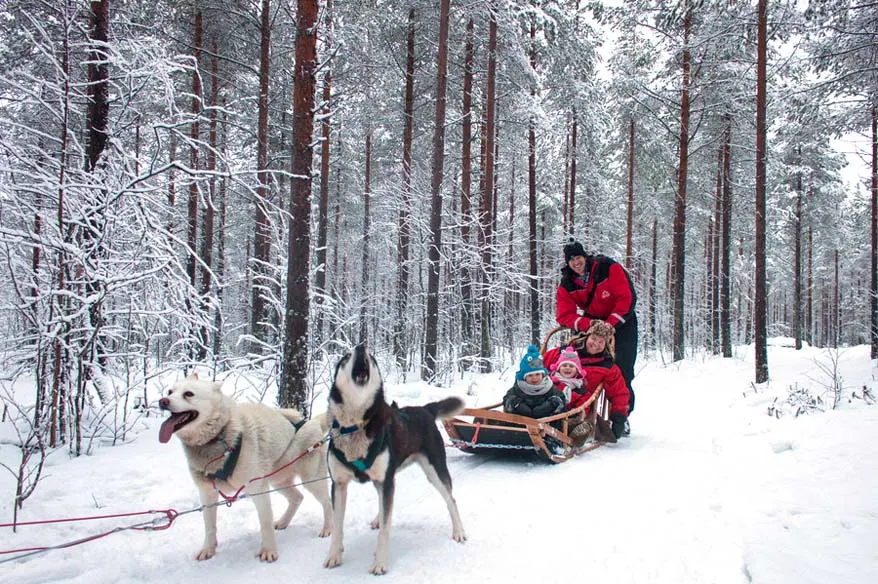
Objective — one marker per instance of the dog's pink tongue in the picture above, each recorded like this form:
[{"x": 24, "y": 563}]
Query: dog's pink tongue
[{"x": 168, "y": 427}]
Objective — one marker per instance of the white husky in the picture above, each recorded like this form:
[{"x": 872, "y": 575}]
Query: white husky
[{"x": 227, "y": 445}]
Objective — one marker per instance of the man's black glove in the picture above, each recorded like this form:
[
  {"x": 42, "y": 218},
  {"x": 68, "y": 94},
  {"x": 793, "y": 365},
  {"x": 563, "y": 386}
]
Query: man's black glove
[{"x": 618, "y": 420}]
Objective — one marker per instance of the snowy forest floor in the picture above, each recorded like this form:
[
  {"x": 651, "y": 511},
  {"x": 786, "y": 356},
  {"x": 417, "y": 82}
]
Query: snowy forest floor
[{"x": 708, "y": 488}]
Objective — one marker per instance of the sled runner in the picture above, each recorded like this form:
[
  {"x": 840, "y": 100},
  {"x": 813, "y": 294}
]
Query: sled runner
[{"x": 490, "y": 429}]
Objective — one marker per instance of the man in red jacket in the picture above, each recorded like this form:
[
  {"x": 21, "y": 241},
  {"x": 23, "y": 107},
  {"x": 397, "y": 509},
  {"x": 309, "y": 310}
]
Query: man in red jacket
[{"x": 597, "y": 287}]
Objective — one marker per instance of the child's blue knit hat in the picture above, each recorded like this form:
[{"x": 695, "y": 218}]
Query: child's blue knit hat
[{"x": 531, "y": 363}]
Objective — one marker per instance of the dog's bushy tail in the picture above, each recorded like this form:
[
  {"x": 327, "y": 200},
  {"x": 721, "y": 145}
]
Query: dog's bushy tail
[{"x": 446, "y": 408}]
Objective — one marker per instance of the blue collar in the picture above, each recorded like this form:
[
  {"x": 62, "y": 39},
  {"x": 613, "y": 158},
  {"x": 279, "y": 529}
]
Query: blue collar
[{"x": 342, "y": 430}]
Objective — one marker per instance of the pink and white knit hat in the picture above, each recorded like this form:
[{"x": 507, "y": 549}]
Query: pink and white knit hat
[{"x": 569, "y": 355}]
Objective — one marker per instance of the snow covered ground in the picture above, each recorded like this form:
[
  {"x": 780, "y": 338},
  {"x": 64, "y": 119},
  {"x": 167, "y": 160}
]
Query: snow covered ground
[{"x": 709, "y": 488}]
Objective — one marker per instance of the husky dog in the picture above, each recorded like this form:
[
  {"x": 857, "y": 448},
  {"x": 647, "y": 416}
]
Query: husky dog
[
  {"x": 228, "y": 444},
  {"x": 371, "y": 441}
]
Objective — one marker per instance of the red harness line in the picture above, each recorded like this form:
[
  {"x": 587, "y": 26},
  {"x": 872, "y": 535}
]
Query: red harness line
[{"x": 170, "y": 514}]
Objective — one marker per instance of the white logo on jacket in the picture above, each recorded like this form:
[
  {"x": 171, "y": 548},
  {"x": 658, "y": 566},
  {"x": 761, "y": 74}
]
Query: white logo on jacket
[{"x": 605, "y": 294}]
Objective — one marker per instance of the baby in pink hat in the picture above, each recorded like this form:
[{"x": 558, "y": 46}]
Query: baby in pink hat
[{"x": 567, "y": 373}]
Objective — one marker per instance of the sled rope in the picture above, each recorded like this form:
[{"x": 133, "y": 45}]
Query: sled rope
[
  {"x": 155, "y": 524},
  {"x": 87, "y": 518}
]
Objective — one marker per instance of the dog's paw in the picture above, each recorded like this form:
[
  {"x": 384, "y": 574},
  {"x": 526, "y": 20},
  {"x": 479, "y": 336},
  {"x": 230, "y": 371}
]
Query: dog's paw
[
  {"x": 333, "y": 560},
  {"x": 267, "y": 555},
  {"x": 281, "y": 524},
  {"x": 378, "y": 568},
  {"x": 206, "y": 553},
  {"x": 376, "y": 523},
  {"x": 326, "y": 531},
  {"x": 459, "y": 535}
]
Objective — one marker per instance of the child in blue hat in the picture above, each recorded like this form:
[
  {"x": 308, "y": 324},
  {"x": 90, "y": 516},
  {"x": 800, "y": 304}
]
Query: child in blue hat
[{"x": 533, "y": 394}]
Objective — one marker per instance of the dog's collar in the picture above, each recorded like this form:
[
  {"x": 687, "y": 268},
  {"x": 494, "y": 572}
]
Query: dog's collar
[
  {"x": 365, "y": 463},
  {"x": 231, "y": 455},
  {"x": 342, "y": 430}
]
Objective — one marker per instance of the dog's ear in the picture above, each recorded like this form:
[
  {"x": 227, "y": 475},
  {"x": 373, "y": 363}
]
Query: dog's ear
[
  {"x": 193, "y": 376},
  {"x": 218, "y": 386}
]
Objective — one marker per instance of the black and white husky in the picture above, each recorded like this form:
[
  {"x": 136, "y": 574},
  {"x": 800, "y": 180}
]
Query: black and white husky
[{"x": 372, "y": 440}]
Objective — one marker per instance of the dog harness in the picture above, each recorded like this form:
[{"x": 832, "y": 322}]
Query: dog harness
[
  {"x": 231, "y": 455},
  {"x": 361, "y": 465}
]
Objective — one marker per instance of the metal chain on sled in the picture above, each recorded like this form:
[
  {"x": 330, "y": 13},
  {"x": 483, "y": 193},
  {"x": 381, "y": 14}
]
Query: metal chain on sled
[{"x": 459, "y": 443}]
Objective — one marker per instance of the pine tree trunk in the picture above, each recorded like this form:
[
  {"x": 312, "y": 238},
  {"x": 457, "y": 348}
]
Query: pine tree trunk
[
  {"x": 98, "y": 83},
  {"x": 194, "y": 135},
  {"x": 364, "y": 263},
  {"x": 221, "y": 247},
  {"x": 835, "y": 301},
  {"x": 262, "y": 226},
  {"x": 571, "y": 190},
  {"x": 468, "y": 308},
  {"x": 404, "y": 224},
  {"x": 653, "y": 281},
  {"x": 60, "y": 306},
  {"x": 824, "y": 313},
  {"x": 760, "y": 313},
  {"x": 565, "y": 213},
  {"x": 36, "y": 255},
  {"x": 707, "y": 292},
  {"x": 629, "y": 230},
  {"x": 725, "y": 294},
  {"x": 97, "y": 123},
  {"x": 715, "y": 257},
  {"x": 532, "y": 205},
  {"x": 511, "y": 306},
  {"x": 207, "y": 235},
  {"x": 809, "y": 304},
  {"x": 293, "y": 390},
  {"x": 797, "y": 259},
  {"x": 320, "y": 290},
  {"x": 428, "y": 367},
  {"x": 488, "y": 207},
  {"x": 873, "y": 287},
  {"x": 339, "y": 287},
  {"x": 679, "y": 266},
  {"x": 172, "y": 181}
]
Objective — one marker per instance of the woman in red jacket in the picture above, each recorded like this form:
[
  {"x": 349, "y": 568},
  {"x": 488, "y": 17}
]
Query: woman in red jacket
[
  {"x": 598, "y": 366},
  {"x": 597, "y": 287}
]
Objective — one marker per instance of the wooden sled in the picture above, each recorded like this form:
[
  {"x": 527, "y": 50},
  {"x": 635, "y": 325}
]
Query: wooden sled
[{"x": 491, "y": 429}]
